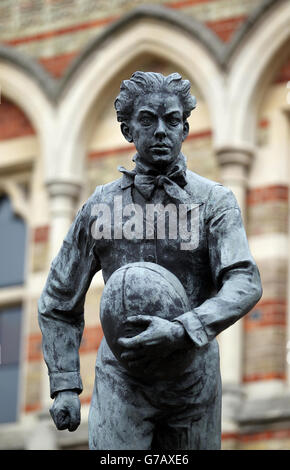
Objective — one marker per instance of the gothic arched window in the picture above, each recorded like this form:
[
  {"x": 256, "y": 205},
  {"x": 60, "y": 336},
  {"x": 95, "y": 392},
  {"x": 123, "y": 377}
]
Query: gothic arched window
[{"x": 12, "y": 267}]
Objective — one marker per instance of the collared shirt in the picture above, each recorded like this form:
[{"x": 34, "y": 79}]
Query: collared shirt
[{"x": 219, "y": 274}]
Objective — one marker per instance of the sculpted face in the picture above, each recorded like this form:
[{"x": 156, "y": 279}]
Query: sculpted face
[{"x": 157, "y": 127}]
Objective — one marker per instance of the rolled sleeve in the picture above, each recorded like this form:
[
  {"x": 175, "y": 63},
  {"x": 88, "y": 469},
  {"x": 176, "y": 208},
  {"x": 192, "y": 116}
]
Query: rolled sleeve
[
  {"x": 65, "y": 381},
  {"x": 193, "y": 328},
  {"x": 234, "y": 272},
  {"x": 61, "y": 305}
]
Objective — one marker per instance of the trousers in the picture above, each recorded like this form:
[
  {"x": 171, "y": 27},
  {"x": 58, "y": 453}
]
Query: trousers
[{"x": 127, "y": 413}]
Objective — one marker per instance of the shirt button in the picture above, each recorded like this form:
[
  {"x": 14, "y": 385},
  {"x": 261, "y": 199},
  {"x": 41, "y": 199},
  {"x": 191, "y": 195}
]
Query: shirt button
[{"x": 150, "y": 258}]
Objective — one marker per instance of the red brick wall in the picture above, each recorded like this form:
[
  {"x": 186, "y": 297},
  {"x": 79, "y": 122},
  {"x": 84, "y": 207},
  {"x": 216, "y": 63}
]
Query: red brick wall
[
  {"x": 57, "y": 65},
  {"x": 266, "y": 194},
  {"x": 225, "y": 29},
  {"x": 13, "y": 122},
  {"x": 265, "y": 326}
]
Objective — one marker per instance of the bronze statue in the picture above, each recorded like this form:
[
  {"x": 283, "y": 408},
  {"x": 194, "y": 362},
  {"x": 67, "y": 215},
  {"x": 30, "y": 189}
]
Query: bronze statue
[{"x": 159, "y": 386}]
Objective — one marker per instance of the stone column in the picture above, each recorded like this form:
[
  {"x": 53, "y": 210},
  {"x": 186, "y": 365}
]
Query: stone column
[
  {"x": 234, "y": 165},
  {"x": 63, "y": 196}
]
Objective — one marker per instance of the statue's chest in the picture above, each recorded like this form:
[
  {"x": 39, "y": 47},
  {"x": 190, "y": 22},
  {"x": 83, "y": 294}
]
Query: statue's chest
[{"x": 158, "y": 231}]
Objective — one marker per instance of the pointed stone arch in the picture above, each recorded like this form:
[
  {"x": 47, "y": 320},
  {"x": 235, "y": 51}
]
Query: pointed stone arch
[
  {"x": 221, "y": 52},
  {"x": 23, "y": 82},
  {"x": 87, "y": 84},
  {"x": 253, "y": 65}
]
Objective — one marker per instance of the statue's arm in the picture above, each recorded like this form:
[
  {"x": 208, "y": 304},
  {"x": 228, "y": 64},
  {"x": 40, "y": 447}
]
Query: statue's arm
[
  {"x": 233, "y": 269},
  {"x": 61, "y": 305}
]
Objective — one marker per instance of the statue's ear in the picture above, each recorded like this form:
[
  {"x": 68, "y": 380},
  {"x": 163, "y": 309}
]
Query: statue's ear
[
  {"x": 126, "y": 132},
  {"x": 185, "y": 130}
]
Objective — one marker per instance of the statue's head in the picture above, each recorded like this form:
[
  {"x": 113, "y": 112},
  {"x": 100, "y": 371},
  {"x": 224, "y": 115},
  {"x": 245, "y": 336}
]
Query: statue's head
[{"x": 153, "y": 111}]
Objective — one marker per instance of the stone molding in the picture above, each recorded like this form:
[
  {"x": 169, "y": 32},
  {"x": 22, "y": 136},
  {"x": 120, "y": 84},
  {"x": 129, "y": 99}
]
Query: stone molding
[
  {"x": 228, "y": 155},
  {"x": 63, "y": 188}
]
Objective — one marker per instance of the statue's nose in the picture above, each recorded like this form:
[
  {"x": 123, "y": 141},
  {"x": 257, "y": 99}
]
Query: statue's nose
[{"x": 160, "y": 129}]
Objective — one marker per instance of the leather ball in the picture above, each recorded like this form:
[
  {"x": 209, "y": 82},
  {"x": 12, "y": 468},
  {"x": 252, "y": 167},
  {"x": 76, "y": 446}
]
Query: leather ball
[{"x": 140, "y": 288}]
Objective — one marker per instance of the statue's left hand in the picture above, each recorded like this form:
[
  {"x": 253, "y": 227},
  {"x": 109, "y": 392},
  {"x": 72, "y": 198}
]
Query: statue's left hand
[{"x": 159, "y": 339}]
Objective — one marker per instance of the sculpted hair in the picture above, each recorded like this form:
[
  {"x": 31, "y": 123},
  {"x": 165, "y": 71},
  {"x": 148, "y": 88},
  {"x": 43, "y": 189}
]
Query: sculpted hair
[{"x": 150, "y": 82}]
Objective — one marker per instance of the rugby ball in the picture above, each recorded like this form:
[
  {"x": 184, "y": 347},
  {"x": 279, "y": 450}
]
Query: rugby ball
[{"x": 140, "y": 288}]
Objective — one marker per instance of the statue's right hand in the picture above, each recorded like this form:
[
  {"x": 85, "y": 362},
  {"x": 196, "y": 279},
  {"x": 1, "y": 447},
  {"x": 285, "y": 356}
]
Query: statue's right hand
[{"x": 66, "y": 410}]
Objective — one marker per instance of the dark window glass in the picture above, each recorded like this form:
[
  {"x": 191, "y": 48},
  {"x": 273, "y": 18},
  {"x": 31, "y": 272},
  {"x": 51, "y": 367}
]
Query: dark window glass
[
  {"x": 10, "y": 335},
  {"x": 10, "y": 327},
  {"x": 9, "y": 376},
  {"x": 12, "y": 245}
]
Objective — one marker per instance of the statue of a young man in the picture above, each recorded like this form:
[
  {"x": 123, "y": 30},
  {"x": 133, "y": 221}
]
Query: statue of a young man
[{"x": 218, "y": 273}]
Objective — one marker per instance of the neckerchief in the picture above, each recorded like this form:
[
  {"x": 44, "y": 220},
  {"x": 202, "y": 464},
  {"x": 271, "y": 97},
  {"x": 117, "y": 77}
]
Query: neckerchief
[{"x": 146, "y": 178}]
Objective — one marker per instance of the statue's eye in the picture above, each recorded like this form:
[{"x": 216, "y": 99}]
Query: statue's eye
[
  {"x": 146, "y": 121},
  {"x": 173, "y": 121}
]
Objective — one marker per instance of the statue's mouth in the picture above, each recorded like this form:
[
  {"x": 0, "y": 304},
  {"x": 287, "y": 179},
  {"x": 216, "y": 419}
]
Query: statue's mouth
[{"x": 160, "y": 148}]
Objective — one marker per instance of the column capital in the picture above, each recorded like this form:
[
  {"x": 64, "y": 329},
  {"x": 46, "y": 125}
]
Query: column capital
[
  {"x": 232, "y": 154},
  {"x": 64, "y": 188}
]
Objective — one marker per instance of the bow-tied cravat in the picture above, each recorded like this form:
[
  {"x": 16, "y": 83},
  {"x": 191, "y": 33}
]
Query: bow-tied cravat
[{"x": 172, "y": 182}]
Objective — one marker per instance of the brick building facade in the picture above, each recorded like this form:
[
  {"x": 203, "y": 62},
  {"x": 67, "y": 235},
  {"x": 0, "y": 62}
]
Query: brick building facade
[{"x": 61, "y": 64}]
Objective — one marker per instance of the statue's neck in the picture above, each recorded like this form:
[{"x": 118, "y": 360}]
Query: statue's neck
[{"x": 145, "y": 167}]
